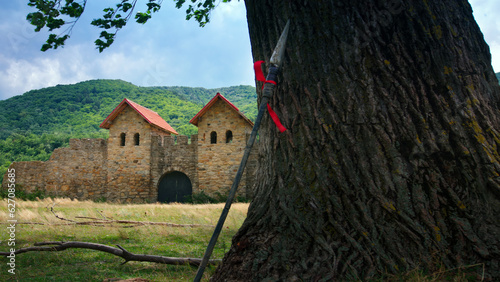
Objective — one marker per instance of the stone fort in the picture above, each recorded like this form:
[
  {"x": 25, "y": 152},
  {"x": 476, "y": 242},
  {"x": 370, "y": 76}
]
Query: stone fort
[{"x": 145, "y": 160}]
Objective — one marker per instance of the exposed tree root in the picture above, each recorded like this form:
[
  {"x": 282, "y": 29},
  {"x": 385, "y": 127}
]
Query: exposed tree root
[{"x": 120, "y": 251}]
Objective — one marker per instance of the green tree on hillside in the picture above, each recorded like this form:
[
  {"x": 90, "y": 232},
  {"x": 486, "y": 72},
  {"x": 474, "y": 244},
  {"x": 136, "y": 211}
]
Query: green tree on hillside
[{"x": 391, "y": 159}]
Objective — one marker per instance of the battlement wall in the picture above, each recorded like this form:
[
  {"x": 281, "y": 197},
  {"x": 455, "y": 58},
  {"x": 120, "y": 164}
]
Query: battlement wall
[
  {"x": 167, "y": 155},
  {"x": 81, "y": 148},
  {"x": 78, "y": 171},
  {"x": 87, "y": 143}
]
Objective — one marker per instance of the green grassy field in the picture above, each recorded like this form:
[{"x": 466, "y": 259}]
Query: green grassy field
[{"x": 90, "y": 265}]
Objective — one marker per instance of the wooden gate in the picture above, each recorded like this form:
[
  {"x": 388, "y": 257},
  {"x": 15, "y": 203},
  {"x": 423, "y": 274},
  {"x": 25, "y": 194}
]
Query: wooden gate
[{"x": 174, "y": 187}]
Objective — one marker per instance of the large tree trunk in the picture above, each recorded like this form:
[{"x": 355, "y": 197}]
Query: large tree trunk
[{"x": 391, "y": 160}]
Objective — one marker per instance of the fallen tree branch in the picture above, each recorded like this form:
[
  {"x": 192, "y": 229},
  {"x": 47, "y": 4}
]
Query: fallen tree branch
[
  {"x": 61, "y": 218},
  {"x": 120, "y": 251},
  {"x": 101, "y": 222},
  {"x": 27, "y": 223}
]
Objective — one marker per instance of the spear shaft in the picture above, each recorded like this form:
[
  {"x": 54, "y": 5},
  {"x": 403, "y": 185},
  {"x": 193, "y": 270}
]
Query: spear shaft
[{"x": 275, "y": 61}]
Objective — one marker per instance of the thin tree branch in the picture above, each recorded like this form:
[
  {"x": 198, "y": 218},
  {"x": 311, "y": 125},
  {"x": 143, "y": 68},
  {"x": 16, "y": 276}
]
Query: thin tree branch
[
  {"x": 103, "y": 216},
  {"x": 139, "y": 222}
]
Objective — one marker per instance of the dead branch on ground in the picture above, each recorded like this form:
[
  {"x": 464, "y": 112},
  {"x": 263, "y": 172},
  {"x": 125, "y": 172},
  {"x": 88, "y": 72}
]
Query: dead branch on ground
[
  {"x": 106, "y": 221},
  {"x": 120, "y": 251}
]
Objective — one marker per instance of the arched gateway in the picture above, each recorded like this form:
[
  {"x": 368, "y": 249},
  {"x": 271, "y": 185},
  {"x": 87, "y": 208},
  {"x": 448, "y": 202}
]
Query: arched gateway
[{"x": 174, "y": 187}]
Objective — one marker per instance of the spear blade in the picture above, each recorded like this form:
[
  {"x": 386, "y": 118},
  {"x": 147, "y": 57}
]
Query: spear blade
[{"x": 279, "y": 50}]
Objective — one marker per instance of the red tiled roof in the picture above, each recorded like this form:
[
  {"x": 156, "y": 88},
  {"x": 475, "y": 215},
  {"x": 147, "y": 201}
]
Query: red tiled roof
[
  {"x": 150, "y": 116},
  {"x": 195, "y": 119}
]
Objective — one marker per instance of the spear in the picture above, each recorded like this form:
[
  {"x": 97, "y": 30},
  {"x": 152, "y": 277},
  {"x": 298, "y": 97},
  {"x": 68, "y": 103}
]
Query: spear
[{"x": 276, "y": 60}]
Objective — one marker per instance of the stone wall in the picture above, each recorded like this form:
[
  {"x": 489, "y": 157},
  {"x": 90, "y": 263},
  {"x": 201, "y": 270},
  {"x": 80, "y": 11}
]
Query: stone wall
[
  {"x": 82, "y": 170},
  {"x": 77, "y": 171},
  {"x": 29, "y": 175}
]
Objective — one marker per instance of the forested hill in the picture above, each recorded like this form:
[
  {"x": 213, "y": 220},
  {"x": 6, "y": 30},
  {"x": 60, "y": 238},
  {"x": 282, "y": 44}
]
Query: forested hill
[
  {"x": 32, "y": 125},
  {"x": 78, "y": 109}
]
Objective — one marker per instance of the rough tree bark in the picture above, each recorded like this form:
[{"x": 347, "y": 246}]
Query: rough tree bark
[{"x": 391, "y": 160}]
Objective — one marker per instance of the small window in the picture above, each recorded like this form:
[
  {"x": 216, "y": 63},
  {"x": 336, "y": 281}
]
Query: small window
[
  {"x": 136, "y": 139},
  {"x": 122, "y": 139},
  {"x": 229, "y": 136},
  {"x": 213, "y": 137}
]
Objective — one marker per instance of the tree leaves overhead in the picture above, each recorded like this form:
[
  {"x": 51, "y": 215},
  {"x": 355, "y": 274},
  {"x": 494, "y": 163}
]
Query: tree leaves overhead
[
  {"x": 50, "y": 14},
  {"x": 116, "y": 18},
  {"x": 199, "y": 10},
  {"x": 56, "y": 14}
]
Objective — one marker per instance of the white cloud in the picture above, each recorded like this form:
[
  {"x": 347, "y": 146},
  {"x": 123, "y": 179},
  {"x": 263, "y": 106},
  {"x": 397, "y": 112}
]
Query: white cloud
[{"x": 20, "y": 75}]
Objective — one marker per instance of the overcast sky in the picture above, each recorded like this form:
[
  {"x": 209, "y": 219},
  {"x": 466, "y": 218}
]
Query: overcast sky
[{"x": 166, "y": 51}]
